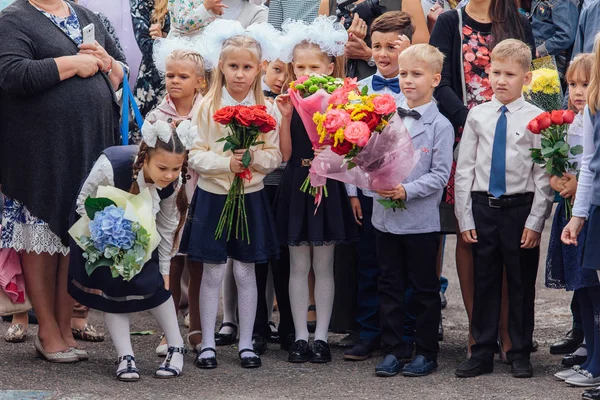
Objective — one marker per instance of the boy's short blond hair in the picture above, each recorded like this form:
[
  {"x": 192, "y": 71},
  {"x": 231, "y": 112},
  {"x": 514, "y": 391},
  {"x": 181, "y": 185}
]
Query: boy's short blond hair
[
  {"x": 513, "y": 50},
  {"x": 424, "y": 53}
]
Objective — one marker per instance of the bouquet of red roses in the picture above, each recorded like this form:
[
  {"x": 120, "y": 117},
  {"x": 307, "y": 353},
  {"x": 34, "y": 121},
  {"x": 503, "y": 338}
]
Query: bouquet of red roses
[
  {"x": 246, "y": 124},
  {"x": 555, "y": 150},
  {"x": 358, "y": 127}
]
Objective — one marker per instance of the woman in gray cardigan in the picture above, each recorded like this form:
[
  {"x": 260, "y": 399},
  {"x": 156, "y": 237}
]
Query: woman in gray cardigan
[{"x": 57, "y": 113}]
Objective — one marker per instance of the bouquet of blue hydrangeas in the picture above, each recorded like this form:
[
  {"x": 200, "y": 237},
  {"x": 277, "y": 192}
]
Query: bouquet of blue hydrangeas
[{"x": 116, "y": 232}]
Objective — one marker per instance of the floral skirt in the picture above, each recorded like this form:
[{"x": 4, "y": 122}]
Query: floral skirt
[{"x": 22, "y": 231}]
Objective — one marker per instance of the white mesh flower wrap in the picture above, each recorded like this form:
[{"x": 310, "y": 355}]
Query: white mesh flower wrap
[
  {"x": 187, "y": 134},
  {"x": 210, "y": 42},
  {"x": 325, "y": 32},
  {"x": 164, "y": 47},
  {"x": 160, "y": 130}
]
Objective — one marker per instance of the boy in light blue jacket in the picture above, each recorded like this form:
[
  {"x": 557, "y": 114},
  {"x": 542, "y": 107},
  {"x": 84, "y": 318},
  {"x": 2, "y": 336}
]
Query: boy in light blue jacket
[{"x": 408, "y": 241}]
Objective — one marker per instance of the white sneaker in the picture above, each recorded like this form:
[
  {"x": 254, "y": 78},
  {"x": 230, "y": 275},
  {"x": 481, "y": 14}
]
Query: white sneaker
[
  {"x": 567, "y": 373},
  {"x": 583, "y": 378}
]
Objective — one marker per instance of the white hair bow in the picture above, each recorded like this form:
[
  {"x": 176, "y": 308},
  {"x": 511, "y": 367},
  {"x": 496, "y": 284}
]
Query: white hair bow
[
  {"x": 187, "y": 134},
  {"x": 160, "y": 130}
]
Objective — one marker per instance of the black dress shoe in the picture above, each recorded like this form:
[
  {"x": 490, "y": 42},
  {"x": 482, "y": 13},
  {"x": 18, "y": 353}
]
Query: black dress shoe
[
  {"x": 299, "y": 352},
  {"x": 287, "y": 341},
  {"x": 321, "y": 353},
  {"x": 226, "y": 339},
  {"x": 259, "y": 344},
  {"x": 206, "y": 363},
  {"x": 474, "y": 367},
  {"x": 249, "y": 362},
  {"x": 521, "y": 368},
  {"x": 591, "y": 394},
  {"x": 571, "y": 360},
  {"x": 569, "y": 343},
  {"x": 311, "y": 325}
]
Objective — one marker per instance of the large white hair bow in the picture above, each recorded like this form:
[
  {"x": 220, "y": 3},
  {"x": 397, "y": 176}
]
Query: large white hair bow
[
  {"x": 187, "y": 134},
  {"x": 210, "y": 42},
  {"x": 325, "y": 32},
  {"x": 162, "y": 48},
  {"x": 160, "y": 130}
]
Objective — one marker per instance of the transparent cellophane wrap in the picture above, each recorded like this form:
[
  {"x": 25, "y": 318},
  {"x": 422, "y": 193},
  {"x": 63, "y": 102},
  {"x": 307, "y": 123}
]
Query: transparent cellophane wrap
[{"x": 544, "y": 90}]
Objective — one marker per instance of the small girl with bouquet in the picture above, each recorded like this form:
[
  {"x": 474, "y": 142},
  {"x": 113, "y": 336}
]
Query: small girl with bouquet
[
  {"x": 236, "y": 55},
  {"x": 316, "y": 48},
  {"x": 160, "y": 165}
]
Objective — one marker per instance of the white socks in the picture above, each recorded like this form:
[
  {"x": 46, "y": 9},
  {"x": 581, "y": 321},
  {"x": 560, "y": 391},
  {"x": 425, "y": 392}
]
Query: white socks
[
  {"x": 230, "y": 299},
  {"x": 118, "y": 327},
  {"x": 167, "y": 319},
  {"x": 212, "y": 278},
  {"x": 324, "y": 288},
  {"x": 581, "y": 350}
]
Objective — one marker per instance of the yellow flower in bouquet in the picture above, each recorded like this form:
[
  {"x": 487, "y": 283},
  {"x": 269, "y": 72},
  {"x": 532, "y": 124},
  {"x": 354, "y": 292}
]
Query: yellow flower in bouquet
[
  {"x": 545, "y": 80},
  {"x": 544, "y": 90}
]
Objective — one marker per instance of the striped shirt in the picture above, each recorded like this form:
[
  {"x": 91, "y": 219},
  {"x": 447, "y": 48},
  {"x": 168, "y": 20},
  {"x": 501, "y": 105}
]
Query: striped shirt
[{"x": 281, "y": 10}]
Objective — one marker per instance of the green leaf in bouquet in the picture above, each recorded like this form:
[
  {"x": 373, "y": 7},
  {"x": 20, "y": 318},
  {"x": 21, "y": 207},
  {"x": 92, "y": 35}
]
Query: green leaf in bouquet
[
  {"x": 95, "y": 204},
  {"x": 576, "y": 150},
  {"x": 233, "y": 139},
  {"x": 546, "y": 143},
  {"x": 223, "y": 139},
  {"x": 550, "y": 165},
  {"x": 351, "y": 165},
  {"x": 229, "y": 146},
  {"x": 246, "y": 158},
  {"x": 364, "y": 91},
  {"x": 258, "y": 143},
  {"x": 102, "y": 262},
  {"x": 547, "y": 151},
  {"x": 392, "y": 204}
]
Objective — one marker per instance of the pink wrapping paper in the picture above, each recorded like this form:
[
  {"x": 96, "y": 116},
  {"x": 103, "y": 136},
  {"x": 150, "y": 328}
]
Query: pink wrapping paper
[{"x": 386, "y": 160}]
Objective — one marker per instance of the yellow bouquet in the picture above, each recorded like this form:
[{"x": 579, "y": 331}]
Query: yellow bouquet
[{"x": 544, "y": 90}]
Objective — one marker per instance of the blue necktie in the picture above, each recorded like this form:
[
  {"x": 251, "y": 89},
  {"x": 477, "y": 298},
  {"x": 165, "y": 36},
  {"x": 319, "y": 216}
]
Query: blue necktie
[
  {"x": 498, "y": 170},
  {"x": 379, "y": 83}
]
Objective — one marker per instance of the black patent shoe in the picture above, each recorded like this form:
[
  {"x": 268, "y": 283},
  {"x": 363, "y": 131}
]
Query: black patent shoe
[
  {"x": 569, "y": 343},
  {"x": 299, "y": 352},
  {"x": 573, "y": 359},
  {"x": 249, "y": 362},
  {"x": 259, "y": 344},
  {"x": 591, "y": 394},
  {"x": 206, "y": 363},
  {"x": 226, "y": 339},
  {"x": 321, "y": 352}
]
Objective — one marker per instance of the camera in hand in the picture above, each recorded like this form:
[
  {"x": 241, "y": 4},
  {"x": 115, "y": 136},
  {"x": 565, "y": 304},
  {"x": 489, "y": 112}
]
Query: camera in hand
[{"x": 368, "y": 10}]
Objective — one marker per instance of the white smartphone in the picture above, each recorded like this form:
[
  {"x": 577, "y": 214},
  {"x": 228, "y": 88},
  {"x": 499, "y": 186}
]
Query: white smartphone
[{"x": 89, "y": 34}]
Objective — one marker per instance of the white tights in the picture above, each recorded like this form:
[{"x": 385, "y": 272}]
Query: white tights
[
  {"x": 247, "y": 296},
  {"x": 118, "y": 327},
  {"x": 322, "y": 264}
]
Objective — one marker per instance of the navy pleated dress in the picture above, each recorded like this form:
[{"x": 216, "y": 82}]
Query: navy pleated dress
[
  {"x": 297, "y": 223},
  {"x": 100, "y": 290}
]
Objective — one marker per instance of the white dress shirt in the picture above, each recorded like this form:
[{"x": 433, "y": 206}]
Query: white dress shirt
[
  {"x": 399, "y": 97},
  {"x": 522, "y": 174},
  {"x": 167, "y": 216},
  {"x": 583, "y": 198}
]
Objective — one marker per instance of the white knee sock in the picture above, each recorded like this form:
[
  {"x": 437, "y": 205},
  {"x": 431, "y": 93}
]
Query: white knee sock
[
  {"x": 212, "y": 278},
  {"x": 230, "y": 299},
  {"x": 270, "y": 294},
  {"x": 324, "y": 288},
  {"x": 247, "y": 300},
  {"x": 581, "y": 351},
  {"x": 299, "y": 268},
  {"x": 167, "y": 319},
  {"x": 118, "y": 328}
]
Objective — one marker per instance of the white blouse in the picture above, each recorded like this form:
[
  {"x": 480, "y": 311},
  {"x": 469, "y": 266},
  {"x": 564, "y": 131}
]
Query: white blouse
[
  {"x": 583, "y": 197},
  {"x": 167, "y": 216}
]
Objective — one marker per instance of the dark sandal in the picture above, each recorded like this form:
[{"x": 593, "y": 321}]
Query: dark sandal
[
  {"x": 87, "y": 334},
  {"x": 127, "y": 370},
  {"x": 249, "y": 362},
  {"x": 206, "y": 363},
  {"x": 168, "y": 367},
  {"x": 226, "y": 339}
]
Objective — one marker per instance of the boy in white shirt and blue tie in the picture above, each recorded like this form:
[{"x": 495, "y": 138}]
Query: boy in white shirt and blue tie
[
  {"x": 391, "y": 33},
  {"x": 408, "y": 241},
  {"x": 502, "y": 201}
]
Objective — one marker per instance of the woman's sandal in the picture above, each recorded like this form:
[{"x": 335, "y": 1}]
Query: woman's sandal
[
  {"x": 206, "y": 363},
  {"x": 129, "y": 369},
  {"x": 88, "y": 333},
  {"x": 226, "y": 339},
  {"x": 16, "y": 333},
  {"x": 175, "y": 371},
  {"x": 195, "y": 348},
  {"x": 249, "y": 362}
]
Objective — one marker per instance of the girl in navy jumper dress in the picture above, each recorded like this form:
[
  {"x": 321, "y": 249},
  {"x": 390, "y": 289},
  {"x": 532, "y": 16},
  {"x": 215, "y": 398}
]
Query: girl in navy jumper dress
[
  {"x": 587, "y": 207},
  {"x": 156, "y": 164},
  {"x": 311, "y": 236},
  {"x": 236, "y": 81}
]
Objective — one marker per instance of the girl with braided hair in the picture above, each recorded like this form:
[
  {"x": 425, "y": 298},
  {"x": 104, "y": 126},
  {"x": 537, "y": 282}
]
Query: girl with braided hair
[
  {"x": 159, "y": 164},
  {"x": 186, "y": 83}
]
